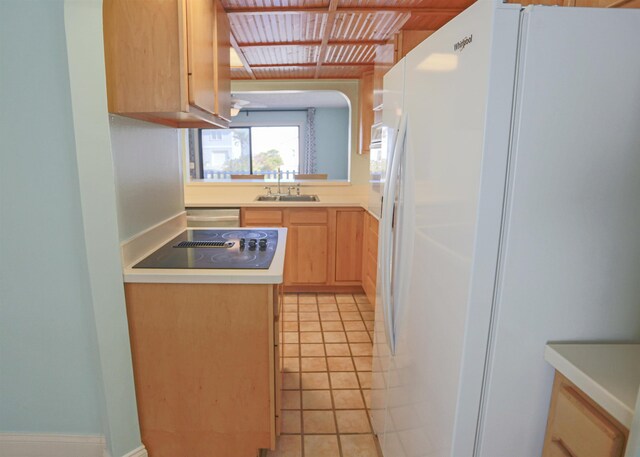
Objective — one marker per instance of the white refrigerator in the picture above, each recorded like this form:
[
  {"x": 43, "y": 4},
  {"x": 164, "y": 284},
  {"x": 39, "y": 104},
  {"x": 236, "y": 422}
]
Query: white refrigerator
[{"x": 511, "y": 218}]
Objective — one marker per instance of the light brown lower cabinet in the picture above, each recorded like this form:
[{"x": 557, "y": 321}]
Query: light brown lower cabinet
[
  {"x": 349, "y": 239},
  {"x": 306, "y": 258},
  {"x": 206, "y": 367},
  {"x": 370, "y": 257},
  {"x": 324, "y": 245},
  {"x": 578, "y": 427}
]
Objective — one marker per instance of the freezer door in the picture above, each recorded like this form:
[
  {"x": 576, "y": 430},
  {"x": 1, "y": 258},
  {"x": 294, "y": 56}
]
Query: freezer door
[
  {"x": 393, "y": 99},
  {"x": 458, "y": 95},
  {"x": 380, "y": 158}
]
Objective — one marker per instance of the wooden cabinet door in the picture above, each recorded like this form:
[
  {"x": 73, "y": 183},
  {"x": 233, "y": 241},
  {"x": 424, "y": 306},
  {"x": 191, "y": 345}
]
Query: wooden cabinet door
[
  {"x": 370, "y": 257},
  {"x": 366, "y": 111},
  {"x": 143, "y": 57},
  {"x": 349, "y": 244},
  {"x": 200, "y": 54},
  {"x": 222, "y": 60},
  {"x": 307, "y": 253},
  {"x": 167, "y": 61}
]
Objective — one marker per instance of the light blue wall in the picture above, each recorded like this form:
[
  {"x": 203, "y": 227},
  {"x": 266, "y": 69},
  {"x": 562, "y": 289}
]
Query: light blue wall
[
  {"x": 49, "y": 375},
  {"x": 332, "y": 135},
  {"x": 332, "y": 140},
  {"x": 83, "y": 26}
]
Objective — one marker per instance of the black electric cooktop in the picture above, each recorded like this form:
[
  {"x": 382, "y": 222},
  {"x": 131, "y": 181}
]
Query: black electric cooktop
[{"x": 223, "y": 248}]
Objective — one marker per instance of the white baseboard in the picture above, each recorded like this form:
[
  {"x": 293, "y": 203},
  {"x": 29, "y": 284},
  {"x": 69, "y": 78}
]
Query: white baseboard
[
  {"x": 15, "y": 445},
  {"x": 30, "y": 445},
  {"x": 139, "y": 452}
]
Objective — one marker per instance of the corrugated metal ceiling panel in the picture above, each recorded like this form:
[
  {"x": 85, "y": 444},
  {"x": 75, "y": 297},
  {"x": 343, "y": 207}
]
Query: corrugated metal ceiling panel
[
  {"x": 285, "y": 73},
  {"x": 273, "y": 27},
  {"x": 274, "y": 55},
  {"x": 267, "y": 32},
  {"x": 366, "y": 26},
  {"x": 230, "y": 4},
  {"x": 239, "y": 73},
  {"x": 350, "y": 54},
  {"x": 343, "y": 72},
  {"x": 405, "y": 3}
]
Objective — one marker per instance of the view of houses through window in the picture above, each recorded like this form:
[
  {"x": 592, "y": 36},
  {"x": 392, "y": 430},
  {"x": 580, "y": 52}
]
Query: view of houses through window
[{"x": 250, "y": 151}]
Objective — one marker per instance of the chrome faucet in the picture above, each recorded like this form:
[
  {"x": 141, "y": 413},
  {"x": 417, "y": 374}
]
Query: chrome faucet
[{"x": 296, "y": 187}]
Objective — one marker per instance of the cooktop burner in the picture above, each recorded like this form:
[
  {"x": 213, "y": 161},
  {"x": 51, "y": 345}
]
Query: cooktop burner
[
  {"x": 235, "y": 249},
  {"x": 244, "y": 234}
]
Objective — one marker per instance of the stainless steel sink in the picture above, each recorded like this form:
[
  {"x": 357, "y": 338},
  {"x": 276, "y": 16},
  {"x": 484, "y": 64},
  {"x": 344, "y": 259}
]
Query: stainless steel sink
[
  {"x": 287, "y": 198},
  {"x": 299, "y": 198}
]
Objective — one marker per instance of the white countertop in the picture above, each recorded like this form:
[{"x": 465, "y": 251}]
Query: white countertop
[
  {"x": 332, "y": 200},
  {"x": 221, "y": 195},
  {"x": 608, "y": 373},
  {"x": 274, "y": 275},
  {"x": 254, "y": 204},
  {"x": 325, "y": 202}
]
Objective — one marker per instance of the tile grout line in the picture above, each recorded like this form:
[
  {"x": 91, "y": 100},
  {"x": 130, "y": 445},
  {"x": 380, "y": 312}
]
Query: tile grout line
[
  {"x": 333, "y": 404},
  {"x": 364, "y": 401},
  {"x": 353, "y": 361},
  {"x": 373, "y": 432},
  {"x": 300, "y": 382}
]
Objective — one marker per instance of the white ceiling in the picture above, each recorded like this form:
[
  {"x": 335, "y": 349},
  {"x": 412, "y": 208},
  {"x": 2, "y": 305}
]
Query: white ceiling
[{"x": 293, "y": 99}]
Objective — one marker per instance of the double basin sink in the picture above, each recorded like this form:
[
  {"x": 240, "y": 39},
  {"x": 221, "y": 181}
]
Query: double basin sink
[{"x": 287, "y": 198}]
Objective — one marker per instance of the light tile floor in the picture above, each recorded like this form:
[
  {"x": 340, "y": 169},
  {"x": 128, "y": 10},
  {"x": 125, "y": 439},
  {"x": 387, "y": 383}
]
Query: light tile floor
[{"x": 326, "y": 347}]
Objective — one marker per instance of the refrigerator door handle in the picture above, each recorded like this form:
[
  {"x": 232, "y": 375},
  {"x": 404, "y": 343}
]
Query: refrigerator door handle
[{"x": 388, "y": 238}]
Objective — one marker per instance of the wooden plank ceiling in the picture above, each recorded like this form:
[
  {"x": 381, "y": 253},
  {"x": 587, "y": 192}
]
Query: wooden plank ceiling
[{"x": 306, "y": 39}]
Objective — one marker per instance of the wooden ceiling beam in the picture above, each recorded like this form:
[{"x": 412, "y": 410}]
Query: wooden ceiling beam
[
  {"x": 344, "y": 9},
  {"x": 328, "y": 22},
  {"x": 314, "y": 43},
  {"x": 243, "y": 59}
]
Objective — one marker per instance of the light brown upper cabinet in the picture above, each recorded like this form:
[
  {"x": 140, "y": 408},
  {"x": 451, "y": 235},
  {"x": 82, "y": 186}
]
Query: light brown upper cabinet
[
  {"x": 167, "y": 61},
  {"x": 366, "y": 111}
]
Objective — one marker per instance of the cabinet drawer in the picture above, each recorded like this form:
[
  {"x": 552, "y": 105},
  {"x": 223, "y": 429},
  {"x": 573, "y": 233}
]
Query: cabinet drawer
[
  {"x": 308, "y": 216},
  {"x": 262, "y": 217},
  {"x": 578, "y": 429}
]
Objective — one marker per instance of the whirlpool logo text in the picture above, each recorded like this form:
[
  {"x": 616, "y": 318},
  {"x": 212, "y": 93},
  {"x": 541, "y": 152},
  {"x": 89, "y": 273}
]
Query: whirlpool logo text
[{"x": 459, "y": 46}]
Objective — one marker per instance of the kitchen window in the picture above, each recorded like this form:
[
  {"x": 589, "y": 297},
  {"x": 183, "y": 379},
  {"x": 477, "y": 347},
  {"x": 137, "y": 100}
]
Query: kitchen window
[{"x": 252, "y": 150}]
